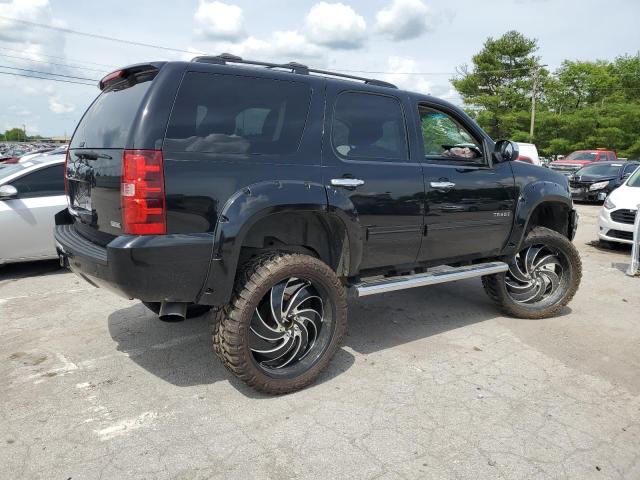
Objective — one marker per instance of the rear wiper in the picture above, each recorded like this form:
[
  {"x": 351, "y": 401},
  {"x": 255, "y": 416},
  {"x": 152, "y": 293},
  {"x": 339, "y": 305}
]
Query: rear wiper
[{"x": 92, "y": 155}]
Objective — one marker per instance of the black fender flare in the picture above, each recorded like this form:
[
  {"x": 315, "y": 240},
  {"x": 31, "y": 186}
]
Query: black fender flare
[
  {"x": 246, "y": 207},
  {"x": 531, "y": 197}
]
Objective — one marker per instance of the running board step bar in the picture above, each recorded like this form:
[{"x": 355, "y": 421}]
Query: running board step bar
[{"x": 436, "y": 275}]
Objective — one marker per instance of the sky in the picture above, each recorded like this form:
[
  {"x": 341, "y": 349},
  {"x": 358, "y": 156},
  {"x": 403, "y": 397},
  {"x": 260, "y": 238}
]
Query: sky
[{"x": 416, "y": 44}]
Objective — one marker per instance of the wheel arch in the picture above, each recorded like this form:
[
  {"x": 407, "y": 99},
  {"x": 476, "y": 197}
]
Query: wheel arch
[
  {"x": 278, "y": 215},
  {"x": 543, "y": 204}
]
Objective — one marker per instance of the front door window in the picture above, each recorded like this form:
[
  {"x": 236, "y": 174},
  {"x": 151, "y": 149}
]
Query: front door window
[{"x": 445, "y": 139}]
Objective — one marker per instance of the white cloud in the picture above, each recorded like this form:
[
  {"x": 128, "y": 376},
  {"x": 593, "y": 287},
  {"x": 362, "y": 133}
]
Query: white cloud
[
  {"x": 33, "y": 10},
  {"x": 281, "y": 46},
  {"x": 28, "y": 42},
  {"x": 218, "y": 20},
  {"x": 57, "y": 106},
  {"x": 335, "y": 25},
  {"x": 404, "y": 72},
  {"x": 294, "y": 44},
  {"x": 404, "y": 19},
  {"x": 28, "y": 39}
]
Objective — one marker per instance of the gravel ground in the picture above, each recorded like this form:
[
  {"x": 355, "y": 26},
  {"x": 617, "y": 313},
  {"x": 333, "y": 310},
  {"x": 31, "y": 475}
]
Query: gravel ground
[{"x": 430, "y": 383}]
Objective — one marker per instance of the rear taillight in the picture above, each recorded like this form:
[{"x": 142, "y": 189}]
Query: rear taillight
[{"x": 142, "y": 193}]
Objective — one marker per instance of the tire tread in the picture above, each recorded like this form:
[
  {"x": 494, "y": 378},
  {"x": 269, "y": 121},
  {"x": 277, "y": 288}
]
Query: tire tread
[{"x": 228, "y": 326}]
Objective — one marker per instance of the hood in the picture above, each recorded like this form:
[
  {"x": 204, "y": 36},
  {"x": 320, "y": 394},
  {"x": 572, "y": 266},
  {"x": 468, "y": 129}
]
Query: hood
[
  {"x": 591, "y": 178},
  {"x": 626, "y": 197}
]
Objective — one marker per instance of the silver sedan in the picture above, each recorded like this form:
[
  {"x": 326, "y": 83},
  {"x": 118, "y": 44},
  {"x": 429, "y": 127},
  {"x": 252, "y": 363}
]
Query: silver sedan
[{"x": 31, "y": 193}]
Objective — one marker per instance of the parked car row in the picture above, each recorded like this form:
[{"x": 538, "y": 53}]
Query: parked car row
[
  {"x": 580, "y": 158},
  {"x": 14, "y": 150}
]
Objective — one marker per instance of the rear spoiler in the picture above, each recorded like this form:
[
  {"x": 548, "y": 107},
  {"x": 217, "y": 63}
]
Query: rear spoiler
[{"x": 131, "y": 74}]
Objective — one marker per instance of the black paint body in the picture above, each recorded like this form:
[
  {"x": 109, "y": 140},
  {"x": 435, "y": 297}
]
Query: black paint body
[{"x": 218, "y": 204}]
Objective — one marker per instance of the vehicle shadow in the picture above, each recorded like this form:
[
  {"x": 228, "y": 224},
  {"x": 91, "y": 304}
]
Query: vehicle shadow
[
  {"x": 13, "y": 271},
  {"x": 181, "y": 353},
  {"x": 611, "y": 247},
  {"x": 388, "y": 320}
]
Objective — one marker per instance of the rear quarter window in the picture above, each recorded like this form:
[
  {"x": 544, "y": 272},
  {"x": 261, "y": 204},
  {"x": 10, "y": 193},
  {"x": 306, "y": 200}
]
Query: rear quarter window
[
  {"x": 230, "y": 114},
  {"x": 108, "y": 121}
]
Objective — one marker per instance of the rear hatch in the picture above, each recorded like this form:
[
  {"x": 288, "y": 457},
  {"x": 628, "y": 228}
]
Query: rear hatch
[{"x": 94, "y": 163}]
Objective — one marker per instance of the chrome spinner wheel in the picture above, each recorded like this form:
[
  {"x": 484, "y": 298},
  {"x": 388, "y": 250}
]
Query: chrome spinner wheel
[
  {"x": 289, "y": 328},
  {"x": 537, "y": 275}
]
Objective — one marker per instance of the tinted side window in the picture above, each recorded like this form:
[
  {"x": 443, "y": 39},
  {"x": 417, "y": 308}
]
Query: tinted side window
[
  {"x": 630, "y": 169},
  {"x": 612, "y": 157},
  {"x": 446, "y": 139},
  {"x": 367, "y": 126},
  {"x": 45, "y": 182},
  {"x": 237, "y": 115}
]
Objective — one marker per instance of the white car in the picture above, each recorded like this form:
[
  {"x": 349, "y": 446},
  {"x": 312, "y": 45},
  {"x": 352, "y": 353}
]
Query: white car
[
  {"x": 528, "y": 153},
  {"x": 31, "y": 193},
  {"x": 619, "y": 211}
]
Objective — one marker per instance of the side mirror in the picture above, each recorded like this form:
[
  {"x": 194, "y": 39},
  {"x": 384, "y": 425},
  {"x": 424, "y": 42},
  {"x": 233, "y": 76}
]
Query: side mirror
[
  {"x": 7, "y": 192},
  {"x": 626, "y": 175},
  {"x": 506, "y": 151}
]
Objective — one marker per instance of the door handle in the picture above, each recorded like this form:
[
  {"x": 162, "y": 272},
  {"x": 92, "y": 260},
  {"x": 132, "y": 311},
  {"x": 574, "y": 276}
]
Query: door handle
[
  {"x": 442, "y": 186},
  {"x": 347, "y": 182}
]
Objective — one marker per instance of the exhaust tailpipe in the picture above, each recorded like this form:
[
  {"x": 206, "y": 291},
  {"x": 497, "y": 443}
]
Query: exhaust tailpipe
[{"x": 173, "y": 311}]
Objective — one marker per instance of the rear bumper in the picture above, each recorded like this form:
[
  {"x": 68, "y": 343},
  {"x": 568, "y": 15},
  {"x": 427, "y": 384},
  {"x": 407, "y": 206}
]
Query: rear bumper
[{"x": 150, "y": 268}]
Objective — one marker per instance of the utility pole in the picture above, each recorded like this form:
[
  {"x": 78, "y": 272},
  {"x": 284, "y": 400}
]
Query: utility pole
[{"x": 536, "y": 76}]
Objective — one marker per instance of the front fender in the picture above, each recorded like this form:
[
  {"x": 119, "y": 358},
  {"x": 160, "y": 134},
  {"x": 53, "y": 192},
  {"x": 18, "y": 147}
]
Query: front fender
[{"x": 531, "y": 196}]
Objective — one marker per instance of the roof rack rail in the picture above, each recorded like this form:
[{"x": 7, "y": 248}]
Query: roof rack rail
[{"x": 294, "y": 67}]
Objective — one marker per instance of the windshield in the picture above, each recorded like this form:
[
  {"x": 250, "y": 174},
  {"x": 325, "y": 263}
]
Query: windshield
[
  {"x": 634, "y": 180},
  {"x": 591, "y": 156},
  {"x": 610, "y": 170},
  {"x": 11, "y": 168}
]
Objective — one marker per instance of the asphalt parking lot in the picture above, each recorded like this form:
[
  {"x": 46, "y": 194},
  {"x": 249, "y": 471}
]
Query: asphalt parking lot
[{"x": 430, "y": 383}]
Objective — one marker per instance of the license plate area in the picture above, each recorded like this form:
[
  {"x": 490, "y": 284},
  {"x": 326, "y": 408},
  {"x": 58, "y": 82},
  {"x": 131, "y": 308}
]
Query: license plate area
[
  {"x": 80, "y": 195},
  {"x": 577, "y": 190}
]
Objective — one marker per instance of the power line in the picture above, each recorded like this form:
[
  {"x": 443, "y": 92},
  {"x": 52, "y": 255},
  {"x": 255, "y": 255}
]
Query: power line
[
  {"x": 180, "y": 50},
  {"x": 45, "y": 78},
  {"x": 101, "y": 37},
  {"x": 27, "y": 59},
  {"x": 59, "y": 58},
  {"x": 47, "y": 73}
]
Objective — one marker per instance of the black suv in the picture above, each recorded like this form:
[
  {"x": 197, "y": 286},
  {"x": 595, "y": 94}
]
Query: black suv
[{"x": 272, "y": 192}]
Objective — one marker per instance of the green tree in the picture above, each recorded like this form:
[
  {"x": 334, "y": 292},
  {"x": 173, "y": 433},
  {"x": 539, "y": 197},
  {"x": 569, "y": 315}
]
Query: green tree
[
  {"x": 500, "y": 82},
  {"x": 582, "y": 105},
  {"x": 14, "y": 135}
]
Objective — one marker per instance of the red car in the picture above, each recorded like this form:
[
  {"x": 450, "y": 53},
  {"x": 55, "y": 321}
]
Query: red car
[{"x": 578, "y": 159}]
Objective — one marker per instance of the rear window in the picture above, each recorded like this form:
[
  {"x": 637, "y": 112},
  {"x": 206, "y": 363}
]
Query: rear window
[
  {"x": 109, "y": 119},
  {"x": 237, "y": 115}
]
